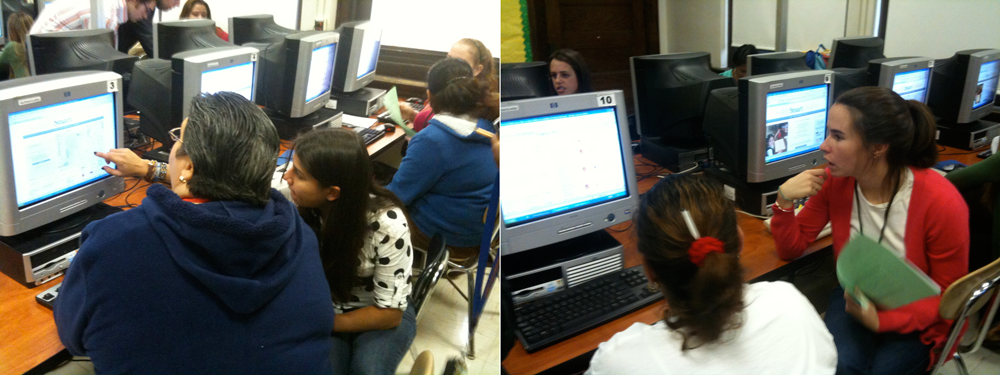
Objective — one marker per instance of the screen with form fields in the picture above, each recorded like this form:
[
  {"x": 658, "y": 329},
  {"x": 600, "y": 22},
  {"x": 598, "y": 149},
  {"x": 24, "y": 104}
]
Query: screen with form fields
[
  {"x": 52, "y": 147},
  {"x": 912, "y": 85},
  {"x": 563, "y": 162},
  {"x": 320, "y": 71},
  {"x": 237, "y": 78},
  {"x": 986, "y": 86}
]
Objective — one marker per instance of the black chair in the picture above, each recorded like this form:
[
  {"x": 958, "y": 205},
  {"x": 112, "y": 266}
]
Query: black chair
[{"x": 436, "y": 264}]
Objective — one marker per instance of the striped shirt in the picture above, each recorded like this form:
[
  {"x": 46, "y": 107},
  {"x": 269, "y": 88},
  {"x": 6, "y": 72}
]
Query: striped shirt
[{"x": 66, "y": 15}]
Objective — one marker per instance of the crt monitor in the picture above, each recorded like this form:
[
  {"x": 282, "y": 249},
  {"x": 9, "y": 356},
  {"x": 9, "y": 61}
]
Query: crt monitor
[
  {"x": 776, "y": 62},
  {"x": 910, "y": 77},
  {"x": 357, "y": 55},
  {"x": 571, "y": 172},
  {"x": 52, "y": 125},
  {"x": 295, "y": 74},
  {"x": 172, "y": 37},
  {"x": 856, "y": 51},
  {"x": 162, "y": 90},
  {"x": 66, "y": 51},
  {"x": 670, "y": 92},
  {"x": 259, "y": 28},
  {"x": 778, "y": 124},
  {"x": 525, "y": 80},
  {"x": 964, "y": 85}
]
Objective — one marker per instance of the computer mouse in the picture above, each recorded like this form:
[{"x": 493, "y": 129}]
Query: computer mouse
[
  {"x": 949, "y": 167},
  {"x": 389, "y": 128}
]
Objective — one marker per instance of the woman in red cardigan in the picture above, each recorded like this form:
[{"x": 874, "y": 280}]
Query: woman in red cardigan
[{"x": 877, "y": 184}]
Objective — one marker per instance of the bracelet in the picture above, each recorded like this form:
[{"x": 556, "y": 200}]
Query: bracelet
[
  {"x": 783, "y": 195},
  {"x": 149, "y": 172},
  {"x": 778, "y": 207},
  {"x": 161, "y": 172}
]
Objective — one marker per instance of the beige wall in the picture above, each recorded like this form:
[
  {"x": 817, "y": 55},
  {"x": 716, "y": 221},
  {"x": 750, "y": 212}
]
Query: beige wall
[
  {"x": 695, "y": 26},
  {"x": 937, "y": 29}
]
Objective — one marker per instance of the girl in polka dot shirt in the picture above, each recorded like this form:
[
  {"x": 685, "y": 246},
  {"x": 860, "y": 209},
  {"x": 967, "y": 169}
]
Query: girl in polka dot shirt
[{"x": 364, "y": 242}]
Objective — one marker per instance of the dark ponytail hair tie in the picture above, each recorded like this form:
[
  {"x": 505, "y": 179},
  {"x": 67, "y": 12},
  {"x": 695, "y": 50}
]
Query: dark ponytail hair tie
[{"x": 701, "y": 247}]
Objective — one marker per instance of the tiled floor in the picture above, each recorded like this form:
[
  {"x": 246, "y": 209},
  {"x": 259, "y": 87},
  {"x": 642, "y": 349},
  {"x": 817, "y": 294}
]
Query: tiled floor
[
  {"x": 444, "y": 331},
  {"x": 983, "y": 361}
]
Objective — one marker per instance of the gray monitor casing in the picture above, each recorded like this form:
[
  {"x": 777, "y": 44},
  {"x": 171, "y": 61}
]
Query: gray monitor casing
[
  {"x": 290, "y": 82},
  {"x": 188, "y": 67},
  {"x": 753, "y": 124},
  {"x": 889, "y": 68},
  {"x": 966, "y": 113},
  {"x": 34, "y": 92},
  {"x": 352, "y": 35},
  {"x": 572, "y": 223}
]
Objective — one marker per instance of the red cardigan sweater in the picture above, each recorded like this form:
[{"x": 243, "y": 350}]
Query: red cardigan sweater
[{"x": 936, "y": 238}]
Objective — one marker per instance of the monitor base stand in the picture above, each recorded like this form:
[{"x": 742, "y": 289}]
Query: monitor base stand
[
  {"x": 753, "y": 197},
  {"x": 672, "y": 157},
  {"x": 969, "y": 136},
  {"x": 56, "y": 242},
  {"x": 290, "y": 128},
  {"x": 364, "y": 102},
  {"x": 544, "y": 270},
  {"x": 161, "y": 154}
]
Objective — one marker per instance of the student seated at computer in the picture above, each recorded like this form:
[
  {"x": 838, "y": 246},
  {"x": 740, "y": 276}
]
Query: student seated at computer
[
  {"x": 198, "y": 9},
  {"x": 447, "y": 175},
  {"x": 715, "y": 323},
  {"x": 739, "y": 62},
  {"x": 569, "y": 72},
  {"x": 480, "y": 59},
  {"x": 364, "y": 241},
  {"x": 14, "y": 56},
  {"x": 65, "y": 15},
  {"x": 877, "y": 184},
  {"x": 216, "y": 273}
]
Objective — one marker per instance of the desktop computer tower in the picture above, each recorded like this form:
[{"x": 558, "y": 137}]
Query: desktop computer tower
[
  {"x": 537, "y": 273},
  {"x": 971, "y": 136},
  {"x": 364, "y": 102},
  {"x": 754, "y": 198}
]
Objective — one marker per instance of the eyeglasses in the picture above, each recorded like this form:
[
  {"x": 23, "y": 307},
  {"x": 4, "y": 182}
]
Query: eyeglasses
[{"x": 175, "y": 134}]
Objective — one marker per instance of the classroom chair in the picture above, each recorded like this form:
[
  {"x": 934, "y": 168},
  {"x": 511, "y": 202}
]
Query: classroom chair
[
  {"x": 436, "y": 263},
  {"x": 962, "y": 299}
]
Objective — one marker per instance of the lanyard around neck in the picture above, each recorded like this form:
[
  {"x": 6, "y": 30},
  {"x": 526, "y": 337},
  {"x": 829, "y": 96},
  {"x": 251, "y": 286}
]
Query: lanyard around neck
[{"x": 885, "y": 219}]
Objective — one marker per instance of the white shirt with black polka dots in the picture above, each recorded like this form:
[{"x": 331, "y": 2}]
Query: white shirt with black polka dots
[{"x": 386, "y": 261}]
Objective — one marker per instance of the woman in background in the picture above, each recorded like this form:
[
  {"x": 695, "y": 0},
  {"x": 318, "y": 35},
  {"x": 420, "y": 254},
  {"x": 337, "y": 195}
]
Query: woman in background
[
  {"x": 715, "y": 323},
  {"x": 480, "y": 59},
  {"x": 14, "y": 55},
  {"x": 569, "y": 72},
  {"x": 198, "y": 9},
  {"x": 739, "y": 62}
]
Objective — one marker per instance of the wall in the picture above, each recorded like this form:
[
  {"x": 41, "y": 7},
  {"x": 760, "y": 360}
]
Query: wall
[
  {"x": 436, "y": 25},
  {"x": 754, "y": 23},
  {"x": 810, "y": 23},
  {"x": 696, "y": 26},
  {"x": 285, "y": 11},
  {"x": 939, "y": 28}
]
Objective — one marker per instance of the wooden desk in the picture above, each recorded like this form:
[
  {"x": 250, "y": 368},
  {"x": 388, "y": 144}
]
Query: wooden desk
[
  {"x": 758, "y": 259},
  {"x": 28, "y": 334}
]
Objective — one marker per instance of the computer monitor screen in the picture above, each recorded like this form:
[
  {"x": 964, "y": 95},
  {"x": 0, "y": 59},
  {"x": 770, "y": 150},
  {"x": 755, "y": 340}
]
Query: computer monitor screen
[
  {"x": 320, "y": 71},
  {"x": 592, "y": 170},
  {"x": 369, "y": 52},
  {"x": 569, "y": 172},
  {"x": 986, "y": 86},
  {"x": 796, "y": 122},
  {"x": 52, "y": 147},
  {"x": 238, "y": 79},
  {"x": 912, "y": 85}
]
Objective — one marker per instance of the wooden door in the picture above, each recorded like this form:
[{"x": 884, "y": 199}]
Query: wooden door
[{"x": 605, "y": 32}]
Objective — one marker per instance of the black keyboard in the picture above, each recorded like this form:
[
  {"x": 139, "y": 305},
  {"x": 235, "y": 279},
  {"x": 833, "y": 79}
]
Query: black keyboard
[
  {"x": 370, "y": 135},
  {"x": 48, "y": 297},
  {"x": 416, "y": 106},
  {"x": 567, "y": 313}
]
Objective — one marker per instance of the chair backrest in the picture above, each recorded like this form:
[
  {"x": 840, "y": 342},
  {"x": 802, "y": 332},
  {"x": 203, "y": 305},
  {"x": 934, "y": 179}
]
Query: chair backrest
[
  {"x": 437, "y": 263},
  {"x": 965, "y": 297}
]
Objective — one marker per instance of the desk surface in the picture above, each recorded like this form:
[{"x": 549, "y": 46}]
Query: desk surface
[
  {"x": 28, "y": 334},
  {"x": 758, "y": 258}
]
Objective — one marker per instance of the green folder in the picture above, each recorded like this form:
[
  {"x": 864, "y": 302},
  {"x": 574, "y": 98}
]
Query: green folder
[
  {"x": 391, "y": 103},
  {"x": 884, "y": 278}
]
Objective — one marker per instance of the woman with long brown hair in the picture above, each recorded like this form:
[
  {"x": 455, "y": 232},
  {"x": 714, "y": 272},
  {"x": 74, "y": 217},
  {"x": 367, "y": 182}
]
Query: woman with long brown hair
[
  {"x": 14, "y": 55},
  {"x": 714, "y": 324}
]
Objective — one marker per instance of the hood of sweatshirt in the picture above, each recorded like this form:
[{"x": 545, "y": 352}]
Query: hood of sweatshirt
[{"x": 238, "y": 251}]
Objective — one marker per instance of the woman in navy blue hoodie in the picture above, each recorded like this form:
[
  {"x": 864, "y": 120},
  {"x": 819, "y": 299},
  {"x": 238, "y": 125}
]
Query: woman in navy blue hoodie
[
  {"x": 217, "y": 274},
  {"x": 447, "y": 175}
]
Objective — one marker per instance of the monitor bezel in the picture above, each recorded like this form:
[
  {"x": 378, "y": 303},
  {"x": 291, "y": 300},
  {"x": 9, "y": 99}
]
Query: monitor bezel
[
  {"x": 966, "y": 113},
  {"x": 889, "y": 69},
  {"x": 574, "y": 223},
  {"x": 757, "y": 89},
  {"x": 301, "y": 107},
  {"x": 176, "y": 23},
  {"x": 40, "y": 92},
  {"x": 353, "y": 39},
  {"x": 187, "y": 79}
]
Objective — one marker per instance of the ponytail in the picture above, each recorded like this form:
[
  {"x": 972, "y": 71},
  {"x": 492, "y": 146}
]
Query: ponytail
[
  {"x": 701, "y": 278},
  {"x": 923, "y": 151},
  {"x": 455, "y": 91}
]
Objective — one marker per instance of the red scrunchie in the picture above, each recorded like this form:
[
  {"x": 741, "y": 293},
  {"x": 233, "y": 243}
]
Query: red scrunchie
[{"x": 701, "y": 247}]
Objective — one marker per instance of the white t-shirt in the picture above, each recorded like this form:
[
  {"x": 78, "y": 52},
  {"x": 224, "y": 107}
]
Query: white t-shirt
[
  {"x": 781, "y": 334},
  {"x": 66, "y": 15},
  {"x": 873, "y": 217}
]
